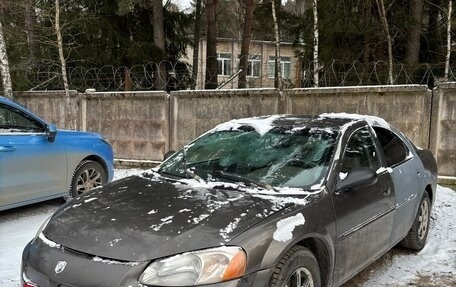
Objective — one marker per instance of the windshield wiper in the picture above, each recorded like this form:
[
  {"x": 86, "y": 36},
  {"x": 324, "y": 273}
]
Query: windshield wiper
[
  {"x": 243, "y": 179},
  {"x": 193, "y": 175}
]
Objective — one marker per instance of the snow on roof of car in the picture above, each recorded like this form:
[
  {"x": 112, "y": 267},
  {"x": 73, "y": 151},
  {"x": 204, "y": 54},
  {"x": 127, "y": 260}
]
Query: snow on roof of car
[
  {"x": 372, "y": 120},
  {"x": 264, "y": 124}
]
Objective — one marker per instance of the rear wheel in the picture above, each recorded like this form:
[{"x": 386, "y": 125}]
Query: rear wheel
[
  {"x": 416, "y": 238},
  {"x": 87, "y": 176},
  {"x": 297, "y": 268}
]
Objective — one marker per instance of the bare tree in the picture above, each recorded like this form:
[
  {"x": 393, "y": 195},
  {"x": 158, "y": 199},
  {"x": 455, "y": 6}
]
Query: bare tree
[
  {"x": 69, "y": 117},
  {"x": 211, "y": 45},
  {"x": 448, "y": 52},
  {"x": 196, "y": 42},
  {"x": 4, "y": 63},
  {"x": 412, "y": 53},
  {"x": 245, "y": 46},
  {"x": 4, "y": 66},
  {"x": 315, "y": 44},
  {"x": 159, "y": 40},
  {"x": 278, "y": 72},
  {"x": 30, "y": 22},
  {"x": 382, "y": 13}
]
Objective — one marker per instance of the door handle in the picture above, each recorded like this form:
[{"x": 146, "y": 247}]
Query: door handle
[
  {"x": 387, "y": 191},
  {"x": 7, "y": 148}
]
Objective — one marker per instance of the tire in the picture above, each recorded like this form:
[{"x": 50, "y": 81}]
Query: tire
[
  {"x": 297, "y": 268},
  {"x": 416, "y": 237},
  {"x": 88, "y": 175}
]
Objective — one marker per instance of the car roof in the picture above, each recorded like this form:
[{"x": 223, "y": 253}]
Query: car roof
[{"x": 331, "y": 121}]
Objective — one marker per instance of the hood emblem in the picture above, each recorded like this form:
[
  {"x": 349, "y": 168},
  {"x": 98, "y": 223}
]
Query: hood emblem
[{"x": 60, "y": 267}]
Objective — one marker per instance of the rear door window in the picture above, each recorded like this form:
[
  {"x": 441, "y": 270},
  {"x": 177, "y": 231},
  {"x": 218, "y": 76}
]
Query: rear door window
[{"x": 394, "y": 148}]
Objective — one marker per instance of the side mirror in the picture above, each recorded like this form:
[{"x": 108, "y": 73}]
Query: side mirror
[
  {"x": 357, "y": 178},
  {"x": 168, "y": 154},
  {"x": 51, "y": 132}
]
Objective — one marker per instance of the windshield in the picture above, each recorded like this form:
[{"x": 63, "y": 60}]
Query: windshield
[{"x": 282, "y": 157}]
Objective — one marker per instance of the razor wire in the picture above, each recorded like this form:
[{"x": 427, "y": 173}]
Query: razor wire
[{"x": 178, "y": 76}]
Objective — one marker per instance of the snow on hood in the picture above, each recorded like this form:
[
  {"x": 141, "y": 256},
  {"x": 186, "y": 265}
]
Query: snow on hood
[{"x": 140, "y": 218}]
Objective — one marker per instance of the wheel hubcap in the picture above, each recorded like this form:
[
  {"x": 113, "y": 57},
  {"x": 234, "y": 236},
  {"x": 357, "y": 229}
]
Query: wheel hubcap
[
  {"x": 87, "y": 180},
  {"x": 301, "y": 277},
  {"x": 423, "y": 219}
]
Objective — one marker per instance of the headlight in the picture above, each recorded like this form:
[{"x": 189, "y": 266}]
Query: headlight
[
  {"x": 196, "y": 268},
  {"x": 43, "y": 226}
]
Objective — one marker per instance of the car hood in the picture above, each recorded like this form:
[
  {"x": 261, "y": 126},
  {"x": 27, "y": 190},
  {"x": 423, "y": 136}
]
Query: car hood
[
  {"x": 79, "y": 134},
  {"x": 137, "y": 219}
]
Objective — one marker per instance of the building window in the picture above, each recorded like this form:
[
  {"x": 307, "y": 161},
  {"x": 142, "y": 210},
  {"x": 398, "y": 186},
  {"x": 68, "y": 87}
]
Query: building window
[
  {"x": 224, "y": 64},
  {"x": 285, "y": 67},
  {"x": 254, "y": 66}
]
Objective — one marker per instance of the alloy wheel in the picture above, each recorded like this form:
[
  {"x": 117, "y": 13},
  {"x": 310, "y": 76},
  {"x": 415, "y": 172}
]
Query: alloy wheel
[
  {"x": 88, "y": 179},
  {"x": 301, "y": 277},
  {"x": 423, "y": 219}
]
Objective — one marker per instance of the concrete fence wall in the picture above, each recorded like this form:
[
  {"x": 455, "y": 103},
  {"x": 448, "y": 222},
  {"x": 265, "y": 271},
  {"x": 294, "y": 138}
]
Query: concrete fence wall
[
  {"x": 135, "y": 123},
  {"x": 144, "y": 125},
  {"x": 443, "y": 128},
  {"x": 194, "y": 112},
  {"x": 407, "y": 108}
]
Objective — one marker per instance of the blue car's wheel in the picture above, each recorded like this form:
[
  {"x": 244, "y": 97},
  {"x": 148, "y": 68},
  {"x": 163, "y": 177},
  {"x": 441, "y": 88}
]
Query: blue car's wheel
[{"x": 88, "y": 175}]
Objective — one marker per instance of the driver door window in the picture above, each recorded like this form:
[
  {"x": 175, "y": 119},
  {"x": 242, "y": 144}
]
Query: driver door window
[
  {"x": 360, "y": 153},
  {"x": 13, "y": 121}
]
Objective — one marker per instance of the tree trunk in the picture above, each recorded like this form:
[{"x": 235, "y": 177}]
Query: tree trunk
[
  {"x": 160, "y": 42},
  {"x": 301, "y": 46},
  {"x": 412, "y": 52},
  {"x": 278, "y": 72},
  {"x": 245, "y": 46},
  {"x": 382, "y": 14},
  {"x": 4, "y": 67},
  {"x": 211, "y": 45},
  {"x": 196, "y": 41},
  {"x": 434, "y": 34},
  {"x": 30, "y": 22},
  {"x": 448, "y": 52},
  {"x": 315, "y": 46},
  {"x": 69, "y": 119}
]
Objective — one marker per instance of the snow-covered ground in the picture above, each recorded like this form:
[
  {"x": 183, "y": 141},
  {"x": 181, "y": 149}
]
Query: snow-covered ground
[{"x": 435, "y": 265}]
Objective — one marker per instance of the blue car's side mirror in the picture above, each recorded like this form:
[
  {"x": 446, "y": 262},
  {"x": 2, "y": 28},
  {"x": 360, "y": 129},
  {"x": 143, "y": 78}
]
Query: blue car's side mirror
[{"x": 51, "y": 132}]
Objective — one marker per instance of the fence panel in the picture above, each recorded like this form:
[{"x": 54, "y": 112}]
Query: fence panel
[
  {"x": 50, "y": 106},
  {"x": 443, "y": 136},
  {"x": 194, "y": 112},
  {"x": 135, "y": 123},
  {"x": 407, "y": 108}
]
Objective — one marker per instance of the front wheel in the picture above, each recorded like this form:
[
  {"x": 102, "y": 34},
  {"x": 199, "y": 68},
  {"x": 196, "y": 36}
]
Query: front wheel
[
  {"x": 297, "y": 268},
  {"x": 87, "y": 176},
  {"x": 416, "y": 237}
]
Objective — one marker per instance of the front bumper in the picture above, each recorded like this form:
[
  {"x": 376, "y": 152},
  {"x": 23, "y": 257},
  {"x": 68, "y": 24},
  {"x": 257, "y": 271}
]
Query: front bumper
[{"x": 39, "y": 264}]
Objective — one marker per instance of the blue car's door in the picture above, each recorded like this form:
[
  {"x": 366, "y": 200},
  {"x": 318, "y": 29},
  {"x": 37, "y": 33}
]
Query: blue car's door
[{"x": 31, "y": 167}]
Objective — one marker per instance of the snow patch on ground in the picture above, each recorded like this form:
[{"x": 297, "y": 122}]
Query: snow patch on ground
[{"x": 286, "y": 226}]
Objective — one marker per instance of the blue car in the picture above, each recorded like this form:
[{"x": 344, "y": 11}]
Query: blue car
[{"x": 39, "y": 162}]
